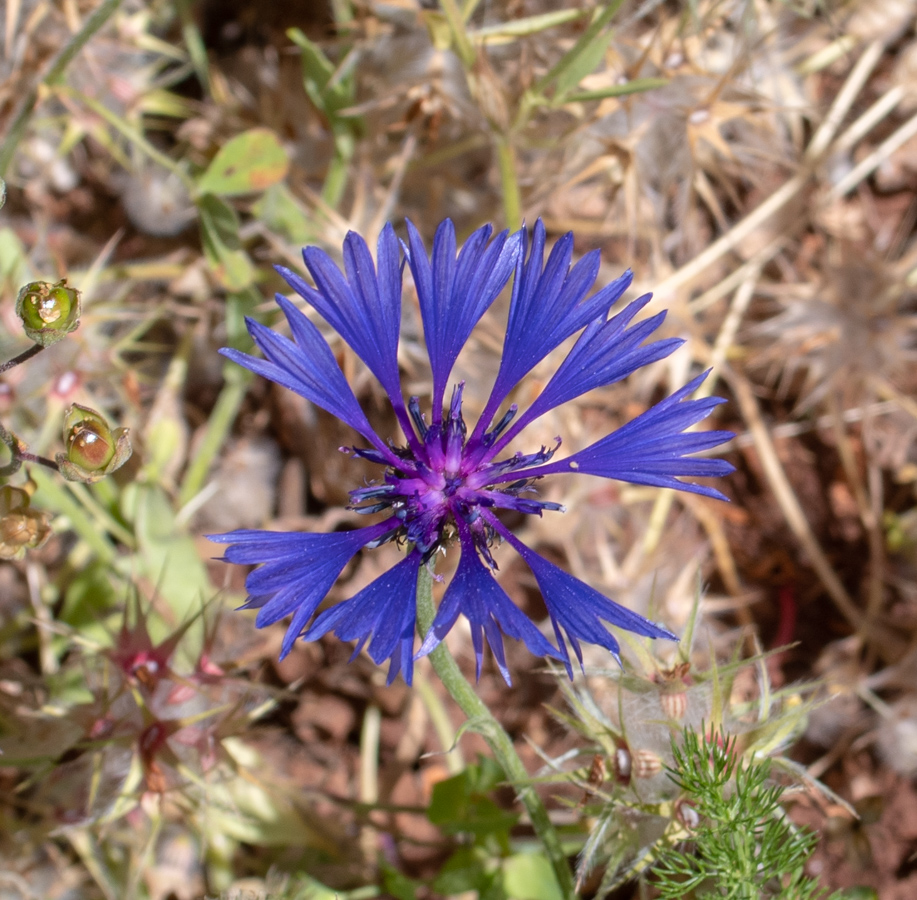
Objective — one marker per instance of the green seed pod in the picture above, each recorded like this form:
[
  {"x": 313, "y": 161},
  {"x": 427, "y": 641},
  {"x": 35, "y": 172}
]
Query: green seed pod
[
  {"x": 20, "y": 526},
  {"x": 90, "y": 445},
  {"x": 48, "y": 312},
  {"x": 94, "y": 450}
]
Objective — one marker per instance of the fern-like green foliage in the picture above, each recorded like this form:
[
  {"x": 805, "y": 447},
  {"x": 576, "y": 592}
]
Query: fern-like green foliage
[{"x": 743, "y": 847}]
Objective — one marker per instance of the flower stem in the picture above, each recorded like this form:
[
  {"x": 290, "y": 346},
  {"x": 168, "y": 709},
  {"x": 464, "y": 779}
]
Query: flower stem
[
  {"x": 497, "y": 739},
  {"x": 24, "y": 456},
  {"x": 463, "y": 46},
  {"x": 34, "y": 350},
  {"x": 512, "y": 201},
  {"x": 218, "y": 427}
]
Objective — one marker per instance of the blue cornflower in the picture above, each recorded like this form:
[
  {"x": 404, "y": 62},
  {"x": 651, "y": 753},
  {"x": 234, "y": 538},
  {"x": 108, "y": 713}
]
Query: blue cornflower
[{"x": 444, "y": 485}]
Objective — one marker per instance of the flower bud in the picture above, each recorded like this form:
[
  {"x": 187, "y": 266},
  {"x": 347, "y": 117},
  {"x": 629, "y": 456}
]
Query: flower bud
[
  {"x": 646, "y": 764},
  {"x": 93, "y": 450},
  {"x": 48, "y": 311},
  {"x": 20, "y": 526}
]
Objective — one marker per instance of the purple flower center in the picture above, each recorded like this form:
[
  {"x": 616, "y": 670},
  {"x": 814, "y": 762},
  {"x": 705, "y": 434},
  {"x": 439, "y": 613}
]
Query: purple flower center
[{"x": 446, "y": 477}]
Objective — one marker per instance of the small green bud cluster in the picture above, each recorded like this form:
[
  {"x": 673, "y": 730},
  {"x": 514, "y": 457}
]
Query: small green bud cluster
[
  {"x": 49, "y": 312},
  {"x": 93, "y": 450},
  {"x": 20, "y": 526}
]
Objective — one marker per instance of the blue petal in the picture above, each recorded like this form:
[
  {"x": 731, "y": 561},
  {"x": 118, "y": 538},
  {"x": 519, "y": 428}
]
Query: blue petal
[
  {"x": 296, "y": 570},
  {"x": 606, "y": 352},
  {"x": 475, "y": 593},
  {"x": 579, "y": 612},
  {"x": 365, "y": 307},
  {"x": 651, "y": 449},
  {"x": 306, "y": 367},
  {"x": 383, "y": 614},
  {"x": 547, "y": 307},
  {"x": 455, "y": 292}
]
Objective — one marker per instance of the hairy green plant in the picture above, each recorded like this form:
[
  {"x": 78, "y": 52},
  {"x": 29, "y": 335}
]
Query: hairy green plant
[{"x": 632, "y": 810}]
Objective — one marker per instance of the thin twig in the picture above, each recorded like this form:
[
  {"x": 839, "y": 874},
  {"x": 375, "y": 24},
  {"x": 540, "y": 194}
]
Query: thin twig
[
  {"x": 46, "y": 656},
  {"x": 26, "y": 355},
  {"x": 793, "y": 429},
  {"x": 869, "y": 119},
  {"x": 738, "y": 233},
  {"x": 369, "y": 775},
  {"x": 844, "y": 100},
  {"x": 788, "y": 190},
  {"x": 728, "y": 330},
  {"x": 736, "y": 277},
  {"x": 796, "y": 518},
  {"x": 867, "y": 166},
  {"x": 25, "y": 456},
  {"x": 386, "y": 209},
  {"x": 717, "y": 357}
]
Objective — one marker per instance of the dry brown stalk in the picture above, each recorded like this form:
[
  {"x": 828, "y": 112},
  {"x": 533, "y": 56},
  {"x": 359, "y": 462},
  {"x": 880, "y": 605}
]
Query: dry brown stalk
[{"x": 889, "y": 644}]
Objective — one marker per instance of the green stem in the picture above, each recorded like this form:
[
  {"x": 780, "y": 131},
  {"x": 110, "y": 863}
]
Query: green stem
[
  {"x": 221, "y": 419},
  {"x": 105, "y": 520},
  {"x": 497, "y": 739},
  {"x": 87, "y": 846},
  {"x": 336, "y": 177},
  {"x": 59, "y": 496},
  {"x": 13, "y": 466},
  {"x": 463, "y": 46},
  {"x": 55, "y": 69},
  {"x": 194, "y": 43},
  {"x": 512, "y": 202},
  {"x": 439, "y": 718},
  {"x": 342, "y": 11}
]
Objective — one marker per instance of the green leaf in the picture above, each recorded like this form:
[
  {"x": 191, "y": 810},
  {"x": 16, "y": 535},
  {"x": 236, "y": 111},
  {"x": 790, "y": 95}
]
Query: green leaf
[
  {"x": 506, "y": 32},
  {"x": 581, "y": 58},
  {"x": 245, "y": 810},
  {"x": 469, "y": 869},
  {"x": 14, "y": 265},
  {"x": 249, "y": 163},
  {"x": 528, "y": 876},
  {"x": 90, "y": 597},
  {"x": 585, "y": 62},
  {"x": 239, "y": 306},
  {"x": 399, "y": 886},
  {"x": 282, "y": 213},
  {"x": 222, "y": 247},
  {"x": 58, "y": 495},
  {"x": 328, "y": 93},
  {"x": 45, "y": 738},
  {"x": 306, "y": 888},
  {"x": 167, "y": 557},
  {"x": 331, "y": 90},
  {"x": 460, "y": 804},
  {"x": 638, "y": 85}
]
